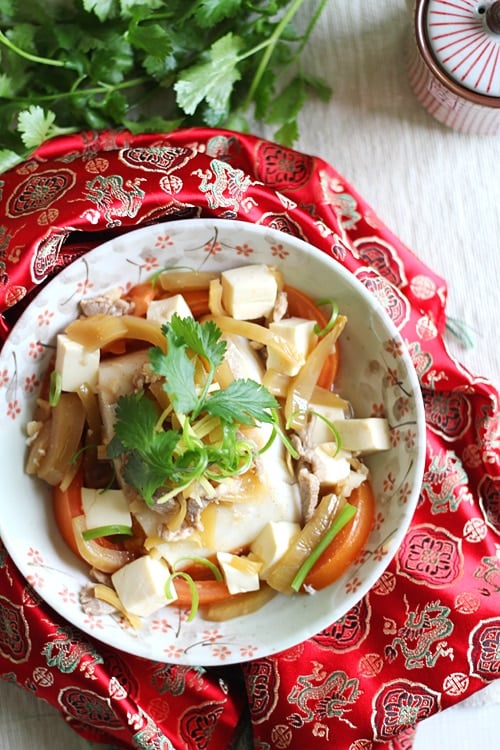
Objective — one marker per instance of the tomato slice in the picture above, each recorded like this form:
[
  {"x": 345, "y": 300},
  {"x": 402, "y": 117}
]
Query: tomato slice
[
  {"x": 303, "y": 306},
  {"x": 67, "y": 505},
  {"x": 348, "y": 543},
  {"x": 209, "y": 592}
]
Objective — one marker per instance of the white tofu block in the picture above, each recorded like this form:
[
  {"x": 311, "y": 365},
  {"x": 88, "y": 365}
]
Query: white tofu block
[
  {"x": 76, "y": 364},
  {"x": 272, "y": 543},
  {"x": 364, "y": 435},
  {"x": 329, "y": 465},
  {"x": 318, "y": 429},
  {"x": 240, "y": 573},
  {"x": 249, "y": 292},
  {"x": 162, "y": 310},
  {"x": 105, "y": 508},
  {"x": 299, "y": 333},
  {"x": 140, "y": 585}
]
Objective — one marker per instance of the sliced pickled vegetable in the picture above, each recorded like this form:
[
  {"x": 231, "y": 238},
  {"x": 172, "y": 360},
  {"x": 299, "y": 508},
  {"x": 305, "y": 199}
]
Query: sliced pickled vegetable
[{"x": 239, "y": 604}]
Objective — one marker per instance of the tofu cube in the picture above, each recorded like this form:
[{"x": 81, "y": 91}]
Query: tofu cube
[
  {"x": 272, "y": 543},
  {"x": 76, "y": 364},
  {"x": 329, "y": 465},
  {"x": 299, "y": 333},
  {"x": 105, "y": 508},
  {"x": 162, "y": 310},
  {"x": 363, "y": 436},
  {"x": 140, "y": 585},
  {"x": 240, "y": 573},
  {"x": 249, "y": 292}
]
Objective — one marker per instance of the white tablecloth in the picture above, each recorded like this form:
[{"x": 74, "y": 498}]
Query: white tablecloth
[{"x": 439, "y": 191}]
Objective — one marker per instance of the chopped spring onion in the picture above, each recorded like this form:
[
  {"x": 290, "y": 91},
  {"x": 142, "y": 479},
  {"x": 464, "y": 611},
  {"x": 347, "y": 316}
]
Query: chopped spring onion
[
  {"x": 340, "y": 520},
  {"x": 55, "y": 388},
  {"x": 192, "y": 587},
  {"x": 333, "y": 317},
  {"x": 203, "y": 561},
  {"x": 331, "y": 427},
  {"x": 111, "y": 530}
]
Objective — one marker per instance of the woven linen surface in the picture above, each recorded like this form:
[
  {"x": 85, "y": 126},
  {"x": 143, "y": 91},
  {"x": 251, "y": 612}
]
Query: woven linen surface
[{"x": 428, "y": 633}]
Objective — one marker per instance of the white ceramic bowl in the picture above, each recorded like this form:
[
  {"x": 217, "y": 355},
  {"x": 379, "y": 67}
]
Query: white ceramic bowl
[{"x": 377, "y": 374}]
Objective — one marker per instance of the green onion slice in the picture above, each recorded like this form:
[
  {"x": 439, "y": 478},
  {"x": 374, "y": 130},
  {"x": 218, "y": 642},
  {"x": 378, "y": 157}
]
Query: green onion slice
[
  {"x": 333, "y": 317},
  {"x": 331, "y": 427},
  {"x": 192, "y": 587},
  {"x": 55, "y": 387},
  {"x": 111, "y": 530},
  {"x": 203, "y": 561},
  {"x": 340, "y": 520}
]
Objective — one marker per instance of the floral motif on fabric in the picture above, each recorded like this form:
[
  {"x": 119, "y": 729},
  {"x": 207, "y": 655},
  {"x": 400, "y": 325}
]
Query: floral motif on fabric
[
  {"x": 39, "y": 191},
  {"x": 484, "y": 649},
  {"x": 447, "y": 414},
  {"x": 197, "y": 724},
  {"x": 430, "y": 556},
  {"x": 45, "y": 258},
  {"x": 119, "y": 671},
  {"x": 262, "y": 686},
  {"x": 88, "y": 707},
  {"x": 283, "y": 223},
  {"x": 158, "y": 158},
  {"x": 489, "y": 502},
  {"x": 401, "y": 704},
  {"x": 382, "y": 257},
  {"x": 15, "y": 642},
  {"x": 349, "y": 632},
  {"x": 282, "y": 168}
]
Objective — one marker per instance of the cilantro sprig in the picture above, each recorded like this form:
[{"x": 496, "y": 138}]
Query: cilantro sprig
[
  {"x": 163, "y": 454},
  {"x": 150, "y": 65}
]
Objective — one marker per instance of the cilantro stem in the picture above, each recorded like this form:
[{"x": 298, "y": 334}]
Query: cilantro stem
[
  {"x": 32, "y": 58},
  {"x": 269, "y": 49},
  {"x": 103, "y": 88}
]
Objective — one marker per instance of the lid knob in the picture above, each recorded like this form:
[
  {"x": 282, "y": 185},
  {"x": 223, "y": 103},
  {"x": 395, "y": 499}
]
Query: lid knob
[{"x": 493, "y": 17}]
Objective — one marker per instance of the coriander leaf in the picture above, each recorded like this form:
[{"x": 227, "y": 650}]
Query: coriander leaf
[
  {"x": 9, "y": 159},
  {"x": 178, "y": 370},
  {"x": 204, "y": 339},
  {"x": 103, "y": 9},
  {"x": 152, "y": 38},
  {"x": 36, "y": 125},
  {"x": 243, "y": 401},
  {"x": 155, "y": 124},
  {"x": 318, "y": 85},
  {"x": 139, "y": 8},
  {"x": 7, "y": 88},
  {"x": 286, "y": 106},
  {"x": 143, "y": 476},
  {"x": 136, "y": 419},
  {"x": 288, "y": 133},
  {"x": 212, "y": 80},
  {"x": 209, "y": 12}
]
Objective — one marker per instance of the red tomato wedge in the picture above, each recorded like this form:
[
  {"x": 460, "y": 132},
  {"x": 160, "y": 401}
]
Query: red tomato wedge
[
  {"x": 348, "y": 543},
  {"x": 67, "y": 505}
]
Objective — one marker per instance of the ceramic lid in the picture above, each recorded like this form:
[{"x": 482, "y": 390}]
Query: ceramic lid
[{"x": 464, "y": 37}]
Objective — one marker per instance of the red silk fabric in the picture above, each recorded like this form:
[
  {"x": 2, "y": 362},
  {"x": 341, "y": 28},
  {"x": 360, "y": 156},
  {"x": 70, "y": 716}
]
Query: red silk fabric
[{"x": 427, "y": 635}]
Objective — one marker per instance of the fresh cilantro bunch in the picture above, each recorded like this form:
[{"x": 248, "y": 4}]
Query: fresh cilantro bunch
[
  {"x": 159, "y": 454},
  {"x": 149, "y": 66}
]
